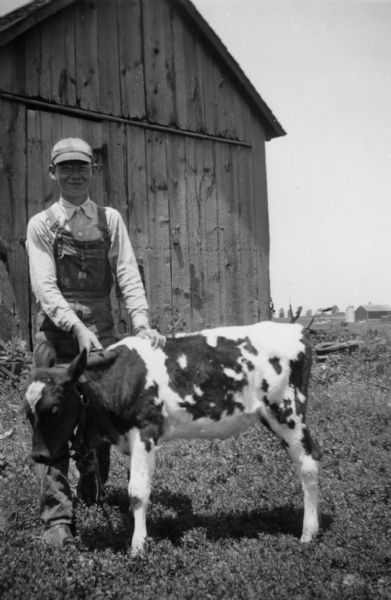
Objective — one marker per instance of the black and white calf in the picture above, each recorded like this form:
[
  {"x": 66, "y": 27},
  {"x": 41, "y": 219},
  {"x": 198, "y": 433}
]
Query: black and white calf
[{"x": 211, "y": 384}]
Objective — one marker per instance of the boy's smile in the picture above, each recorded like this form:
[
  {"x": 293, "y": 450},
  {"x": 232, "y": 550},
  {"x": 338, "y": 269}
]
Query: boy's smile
[{"x": 74, "y": 179}]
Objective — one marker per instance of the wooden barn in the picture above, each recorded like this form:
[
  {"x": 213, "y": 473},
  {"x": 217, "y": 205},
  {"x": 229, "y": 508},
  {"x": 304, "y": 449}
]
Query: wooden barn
[
  {"x": 365, "y": 312},
  {"x": 179, "y": 133}
]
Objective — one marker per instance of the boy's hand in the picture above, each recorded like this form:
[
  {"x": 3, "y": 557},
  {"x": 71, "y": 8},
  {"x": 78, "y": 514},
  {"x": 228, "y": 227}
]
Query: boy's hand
[
  {"x": 157, "y": 339},
  {"x": 86, "y": 338}
]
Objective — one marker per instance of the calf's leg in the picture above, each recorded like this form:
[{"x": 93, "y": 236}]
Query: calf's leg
[
  {"x": 142, "y": 464},
  {"x": 308, "y": 469},
  {"x": 305, "y": 455}
]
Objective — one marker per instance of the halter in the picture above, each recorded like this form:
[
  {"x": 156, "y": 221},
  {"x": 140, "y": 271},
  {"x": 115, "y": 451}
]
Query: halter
[{"x": 78, "y": 448}]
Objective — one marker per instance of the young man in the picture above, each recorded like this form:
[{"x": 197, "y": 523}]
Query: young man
[{"x": 76, "y": 249}]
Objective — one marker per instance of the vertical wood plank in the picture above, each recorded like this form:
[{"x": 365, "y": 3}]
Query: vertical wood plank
[
  {"x": 180, "y": 90},
  {"x": 18, "y": 273},
  {"x": 209, "y": 76},
  {"x": 229, "y": 248},
  {"x": 248, "y": 264},
  {"x": 158, "y": 227},
  {"x": 208, "y": 193},
  {"x": 199, "y": 94},
  {"x": 6, "y": 171},
  {"x": 115, "y": 176},
  {"x": 92, "y": 132},
  {"x": 41, "y": 191},
  {"x": 246, "y": 121},
  {"x": 67, "y": 126},
  {"x": 108, "y": 57},
  {"x": 13, "y": 202},
  {"x": 138, "y": 201},
  {"x": 51, "y": 132},
  {"x": 158, "y": 61},
  {"x": 220, "y": 202},
  {"x": 196, "y": 224},
  {"x": 33, "y": 61},
  {"x": 137, "y": 192},
  {"x": 115, "y": 171},
  {"x": 234, "y": 248},
  {"x": 193, "y": 82},
  {"x": 58, "y": 70},
  {"x": 224, "y": 121},
  {"x": 131, "y": 59},
  {"x": 45, "y": 72},
  {"x": 35, "y": 168},
  {"x": 179, "y": 231},
  {"x": 203, "y": 182},
  {"x": 86, "y": 49},
  {"x": 12, "y": 67},
  {"x": 261, "y": 218}
]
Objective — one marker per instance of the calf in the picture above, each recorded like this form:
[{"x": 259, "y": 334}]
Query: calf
[{"x": 211, "y": 384}]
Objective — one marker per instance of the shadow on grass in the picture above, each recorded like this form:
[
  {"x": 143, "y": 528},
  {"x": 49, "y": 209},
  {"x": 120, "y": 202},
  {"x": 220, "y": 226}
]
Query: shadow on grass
[
  {"x": 217, "y": 526},
  {"x": 223, "y": 525}
]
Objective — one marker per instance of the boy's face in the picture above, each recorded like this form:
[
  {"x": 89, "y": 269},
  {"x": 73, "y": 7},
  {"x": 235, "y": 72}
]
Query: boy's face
[{"x": 74, "y": 179}]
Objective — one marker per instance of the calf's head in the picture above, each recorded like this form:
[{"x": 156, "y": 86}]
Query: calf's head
[{"x": 52, "y": 405}]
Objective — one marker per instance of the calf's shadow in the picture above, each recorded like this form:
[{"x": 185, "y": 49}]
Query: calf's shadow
[{"x": 219, "y": 525}]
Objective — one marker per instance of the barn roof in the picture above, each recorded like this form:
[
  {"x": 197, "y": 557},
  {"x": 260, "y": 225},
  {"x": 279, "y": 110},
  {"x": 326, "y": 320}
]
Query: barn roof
[
  {"x": 375, "y": 307},
  {"x": 31, "y": 14}
]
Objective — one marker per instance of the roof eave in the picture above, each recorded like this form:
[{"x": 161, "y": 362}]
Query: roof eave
[
  {"x": 273, "y": 128},
  {"x": 28, "y": 16}
]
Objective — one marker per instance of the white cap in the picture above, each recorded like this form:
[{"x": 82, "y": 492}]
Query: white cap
[{"x": 71, "y": 149}]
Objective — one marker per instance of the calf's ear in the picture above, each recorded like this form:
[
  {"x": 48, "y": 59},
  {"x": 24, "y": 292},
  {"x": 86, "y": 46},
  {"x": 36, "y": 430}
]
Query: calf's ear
[{"x": 77, "y": 366}]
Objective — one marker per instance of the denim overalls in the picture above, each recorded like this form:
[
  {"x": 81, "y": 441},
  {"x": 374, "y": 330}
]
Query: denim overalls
[{"x": 84, "y": 278}]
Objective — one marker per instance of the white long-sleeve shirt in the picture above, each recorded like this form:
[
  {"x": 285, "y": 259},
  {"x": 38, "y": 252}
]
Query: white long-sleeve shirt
[{"x": 82, "y": 223}]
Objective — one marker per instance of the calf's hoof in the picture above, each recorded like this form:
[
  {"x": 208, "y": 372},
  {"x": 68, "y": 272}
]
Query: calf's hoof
[
  {"x": 135, "y": 552},
  {"x": 308, "y": 536},
  {"x": 138, "y": 548},
  {"x": 59, "y": 536}
]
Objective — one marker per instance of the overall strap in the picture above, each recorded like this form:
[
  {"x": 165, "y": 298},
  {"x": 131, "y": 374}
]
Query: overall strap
[
  {"x": 56, "y": 228},
  {"x": 102, "y": 224},
  {"x": 54, "y": 222}
]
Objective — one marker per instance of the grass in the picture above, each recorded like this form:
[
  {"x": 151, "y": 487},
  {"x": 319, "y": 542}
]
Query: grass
[{"x": 225, "y": 517}]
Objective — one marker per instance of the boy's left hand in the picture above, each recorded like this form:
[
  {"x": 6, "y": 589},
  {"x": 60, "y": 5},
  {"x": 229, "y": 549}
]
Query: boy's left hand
[{"x": 157, "y": 339}]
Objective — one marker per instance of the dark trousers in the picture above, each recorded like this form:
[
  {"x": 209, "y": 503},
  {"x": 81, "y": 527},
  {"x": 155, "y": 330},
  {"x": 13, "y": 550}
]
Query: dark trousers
[{"x": 55, "y": 492}]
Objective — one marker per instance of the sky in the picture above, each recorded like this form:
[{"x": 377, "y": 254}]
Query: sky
[{"x": 324, "y": 69}]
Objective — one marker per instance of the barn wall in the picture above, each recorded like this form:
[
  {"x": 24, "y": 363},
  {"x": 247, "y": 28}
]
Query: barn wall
[
  {"x": 13, "y": 208},
  {"x": 181, "y": 198},
  {"x": 361, "y": 314},
  {"x": 134, "y": 58},
  {"x": 196, "y": 208}
]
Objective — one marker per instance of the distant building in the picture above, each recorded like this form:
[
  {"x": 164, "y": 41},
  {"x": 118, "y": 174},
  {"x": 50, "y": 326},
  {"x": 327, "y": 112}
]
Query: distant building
[
  {"x": 349, "y": 315},
  {"x": 372, "y": 311}
]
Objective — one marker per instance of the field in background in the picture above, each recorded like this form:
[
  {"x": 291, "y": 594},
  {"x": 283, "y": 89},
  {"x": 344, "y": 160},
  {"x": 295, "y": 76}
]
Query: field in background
[
  {"x": 332, "y": 323},
  {"x": 225, "y": 517}
]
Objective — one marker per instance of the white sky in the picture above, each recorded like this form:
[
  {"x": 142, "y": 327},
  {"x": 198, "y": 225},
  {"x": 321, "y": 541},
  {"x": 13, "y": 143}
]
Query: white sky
[{"x": 324, "y": 69}]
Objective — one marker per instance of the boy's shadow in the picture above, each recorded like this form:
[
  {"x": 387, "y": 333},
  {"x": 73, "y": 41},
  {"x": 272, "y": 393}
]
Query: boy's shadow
[{"x": 228, "y": 525}]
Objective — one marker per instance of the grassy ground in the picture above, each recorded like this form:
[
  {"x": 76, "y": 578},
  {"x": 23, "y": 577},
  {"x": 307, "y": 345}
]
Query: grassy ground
[{"x": 225, "y": 517}]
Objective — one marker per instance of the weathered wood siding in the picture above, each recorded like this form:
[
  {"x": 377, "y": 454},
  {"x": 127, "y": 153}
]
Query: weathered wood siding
[
  {"x": 13, "y": 207},
  {"x": 196, "y": 208}
]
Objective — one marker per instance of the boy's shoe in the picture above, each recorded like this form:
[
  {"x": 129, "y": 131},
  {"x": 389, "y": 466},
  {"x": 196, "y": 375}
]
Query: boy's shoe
[{"x": 59, "y": 535}]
